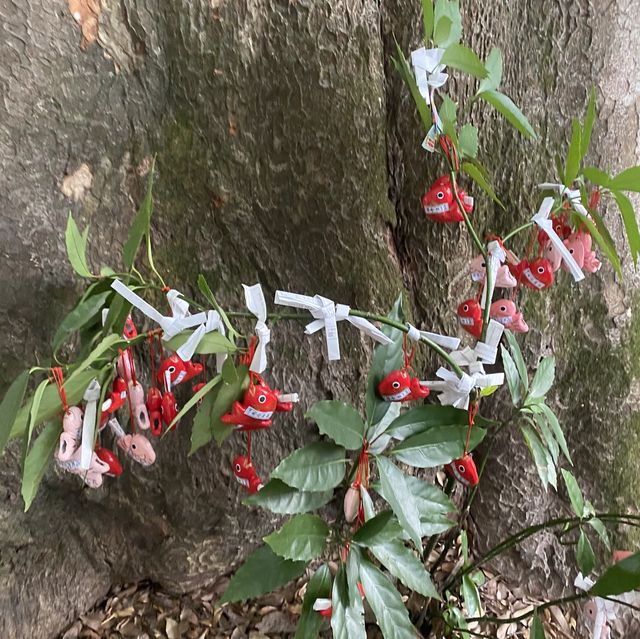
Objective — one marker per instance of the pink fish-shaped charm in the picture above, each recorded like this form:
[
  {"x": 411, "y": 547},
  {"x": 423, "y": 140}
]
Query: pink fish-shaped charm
[
  {"x": 551, "y": 253},
  {"x": 135, "y": 446},
  {"x": 440, "y": 204},
  {"x": 575, "y": 246},
  {"x": 580, "y": 246},
  {"x": 464, "y": 470},
  {"x": 504, "y": 277},
  {"x": 470, "y": 317},
  {"x": 505, "y": 312},
  {"x": 246, "y": 475},
  {"x": 399, "y": 386}
]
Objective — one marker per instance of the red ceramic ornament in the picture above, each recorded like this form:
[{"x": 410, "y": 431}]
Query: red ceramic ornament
[
  {"x": 130, "y": 331},
  {"x": 114, "y": 401},
  {"x": 470, "y": 317},
  {"x": 169, "y": 408},
  {"x": 440, "y": 205},
  {"x": 110, "y": 459},
  {"x": 178, "y": 370},
  {"x": 464, "y": 470},
  {"x": 399, "y": 386},
  {"x": 560, "y": 226},
  {"x": 246, "y": 475},
  {"x": 536, "y": 275},
  {"x": 154, "y": 407}
]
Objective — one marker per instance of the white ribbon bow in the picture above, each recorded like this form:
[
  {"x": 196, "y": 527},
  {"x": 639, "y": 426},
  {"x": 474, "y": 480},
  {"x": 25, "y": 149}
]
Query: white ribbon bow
[
  {"x": 327, "y": 314},
  {"x": 496, "y": 257},
  {"x": 428, "y": 71},
  {"x": 455, "y": 391},
  {"x": 541, "y": 219},
  {"x": 573, "y": 196},
  {"x": 254, "y": 298},
  {"x": 91, "y": 397},
  {"x": 446, "y": 341}
]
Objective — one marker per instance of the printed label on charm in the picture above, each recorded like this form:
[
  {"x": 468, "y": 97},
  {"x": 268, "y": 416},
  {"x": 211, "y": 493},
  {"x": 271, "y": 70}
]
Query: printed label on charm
[
  {"x": 398, "y": 397},
  {"x": 532, "y": 278},
  {"x": 249, "y": 411},
  {"x": 436, "y": 209}
]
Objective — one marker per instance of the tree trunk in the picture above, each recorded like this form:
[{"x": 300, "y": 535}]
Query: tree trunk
[{"x": 287, "y": 152}]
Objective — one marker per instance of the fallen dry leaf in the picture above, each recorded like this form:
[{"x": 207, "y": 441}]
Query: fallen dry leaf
[{"x": 86, "y": 13}]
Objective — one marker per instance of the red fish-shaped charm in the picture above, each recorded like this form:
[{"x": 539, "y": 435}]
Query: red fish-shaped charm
[
  {"x": 399, "y": 386},
  {"x": 154, "y": 407},
  {"x": 130, "y": 331},
  {"x": 257, "y": 407},
  {"x": 505, "y": 312},
  {"x": 464, "y": 470},
  {"x": 536, "y": 275},
  {"x": 115, "y": 401},
  {"x": 169, "y": 408},
  {"x": 110, "y": 459},
  {"x": 177, "y": 370},
  {"x": 560, "y": 226},
  {"x": 439, "y": 202},
  {"x": 246, "y": 475},
  {"x": 470, "y": 317}
]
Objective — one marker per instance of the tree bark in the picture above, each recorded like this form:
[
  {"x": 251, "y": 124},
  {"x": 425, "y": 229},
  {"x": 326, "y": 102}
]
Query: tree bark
[{"x": 287, "y": 152}]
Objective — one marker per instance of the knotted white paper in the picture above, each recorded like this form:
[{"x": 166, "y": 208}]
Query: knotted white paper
[
  {"x": 572, "y": 196},
  {"x": 541, "y": 219},
  {"x": 91, "y": 397},
  {"x": 487, "y": 351},
  {"x": 428, "y": 71},
  {"x": 605, "y": 609},
  {"x": 254, "y": 298},
  {"x": 496, "y": 257},
  {"x": 327, "y": 314},
  {"x": 455, "y": 391},
  {"x": 445, "y": 341}
]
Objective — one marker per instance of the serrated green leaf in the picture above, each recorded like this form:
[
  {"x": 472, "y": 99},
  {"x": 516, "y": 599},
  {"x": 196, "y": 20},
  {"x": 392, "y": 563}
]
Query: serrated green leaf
[
  {"x": 195, "y": 398},
  {"x": 201, "y": 432},
  {"x": 76, "y": 248},
  {"x": 399, "y": 497},
  {"x": 422, "y": 418},
  {"x": 403, "y": 68},
  {"x": 379, "y": 529},
  {"x": 623, "y": 576},
  {"x": 588, "y": 122},
  {"x": 437, "y": 446},
  {"x": 516, "y": 354},
  {"x": 262, "y": 572},
  {"x": 584, "y": 554},
  {"x": 509, "y": 111},
  {"x": 468, "y": 141},
  {"x": 210, "y": 343},
  {"x": 513, "y": 378},
  {"x": 280, "y": 498},
  {"x": 449, "y": 9},
  {"x": 601, "y": 529},
  {"x": 460, "y": 57},
  {"x": 403, "y": 564},
  {"x": 538, "y": 452},
  {"x": 449, "y": 116},
  {"x": 339, "y": 421},
  {"x": 574, "y": 154},
  {"x": 37, "y": 461},
  {"x": 537, "y": 629},
  {"x": 302, "y": 538},
  {"x": 596, "y": 176},
  {"x": 627, "y": 180},
  {"x": 630, "y": 223},
  {"x": 427, "y": 19},
  {"x": 141, "y": 223},
  {"x": 478, "y": 177},
  {"x": 317, "y": 465},
  {"x": 471, "y": 597},
  {"x": 575, "y": 494},
  {"x": 386, "y": 603},
  {"x": 319, "y": 587},
  {"x": 87, "y": 311},
  {"x": 493, "y": 65},
  {"x": 347, "y": 622},
  {"x": 10, "y": 406},
  {"x": 543, "y": 379}
]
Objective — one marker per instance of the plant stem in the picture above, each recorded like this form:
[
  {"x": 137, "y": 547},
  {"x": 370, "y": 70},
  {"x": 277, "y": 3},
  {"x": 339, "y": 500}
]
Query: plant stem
[
  {"x": 467, "y": 222},
  {"x": 515, "y": 231}
]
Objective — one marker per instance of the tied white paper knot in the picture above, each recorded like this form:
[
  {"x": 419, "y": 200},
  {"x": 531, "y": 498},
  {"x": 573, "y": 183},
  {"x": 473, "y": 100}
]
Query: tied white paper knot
[
  {"x": 541, "y": 219},
  {"x": 428, "y": 70},
  {"x": 487, "y": 351},
  {"x": 572, "y": 196},
  {"x": 327, "y": 314},
  {"x": 254, "y": 298},
  {"x": 605, "y": 609},
  {"x": 445, "y": 341},
  {"x": 91, "y": 397},
  {"x": 496, "y": 257}
]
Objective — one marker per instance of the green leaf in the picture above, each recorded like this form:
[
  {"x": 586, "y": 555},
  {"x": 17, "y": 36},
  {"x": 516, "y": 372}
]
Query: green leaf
[
  {"x": 386, "y": 358},
  {"x": 33, "y": 413},
  {"x": 418, "y": 420},
  {"x": 509, "y": 111},
  {"x": 108, "y": 347},
  {"x": 543, "y": 379},
  {"x": 574, "y": 155},
  {"x": 630, "y": 223},
  {"x": 76, "y": 248},
  {"x": 554, "y": 425},
  {"x": 447, "y": 35},
  {"x": 195, "y": 398},
  {"x": 403, "y": 564},
  {"x": 471, "y": 597},
  {"x": 601, "y": 529},
  {"x": 403, "y": 68},
  {"x": 386, "y": 603},
  {"x": 319, "y": 586},
  {"x": 627, "y": 180},
  {"x": 397, "y": 493},
  {"x": 429, "y": 498},
  {"x": 141, "y": 223},
  {"x": 460, "y": 57},
  {"x": 37, "y": 461},
  {"x": 367, "y": 504},
  {"x": 512, "y": 375},
  {"x": 468, "y": 141},
  {"x": 279, "y": 498},
  {"x": 201, "y": 433},
  {"x": 437, "y": 446},
  {"x": 596, "y": 176},
  {"x": 302, "y": 538},
  {"x": 588, "y": 122},
  {"x": 317, "y": 465},
  {"x": 623, "y": 576},
  {"x": 540, "y": 421},
  {"x": 493, "y": 66},
  {"x": 226, "y": 394},
  {"x": 603, "y": 238},
  {"x": 537, "y": 629},
  {"x": 427, "y": 19},
  {"x": 347, "y": 622},
  {"x": 584, "y": 554},
  {"x": 442, "y": 31},
  {"x": 87, "y": 311},
  {"x": 575, "y": 494},
  {"x": 10, "y": 406},
  {"x": 449, "y": 116},
  {"x": 379, "y": 529},
  {"x": 539, "y": 454},
  {"x": 262, "y": 572},
  {"x": 212, "y": 342},
  {"x": 516, "y": 354},
  {"x": 478, "y": 177},
  {"x": 339, "y": 421}
]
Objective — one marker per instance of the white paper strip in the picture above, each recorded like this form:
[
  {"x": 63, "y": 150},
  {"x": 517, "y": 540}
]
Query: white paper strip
[
  {"x": 428, "y": 71},
  {"x": 445, "y": 341},
  {"x": 496, "y": 257},
  {"x": 572, "y": 196},
  {"x": 454, "y": 390},
  {"x": 254, "y": 299},
  {"x": 487, "y": 351},
  {"x": 91, "y": 397}
]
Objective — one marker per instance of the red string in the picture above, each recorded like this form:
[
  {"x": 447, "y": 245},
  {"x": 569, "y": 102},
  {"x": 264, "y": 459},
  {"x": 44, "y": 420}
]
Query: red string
[
  {"x": 152, "y": 360},
  {"x": 248, "y": 356},
  {"x": 58, "y": 377},
  {"x": 408, "y": 358},
  {"x": 473, "y": 410},
  {"x": 449, "y": 150}
]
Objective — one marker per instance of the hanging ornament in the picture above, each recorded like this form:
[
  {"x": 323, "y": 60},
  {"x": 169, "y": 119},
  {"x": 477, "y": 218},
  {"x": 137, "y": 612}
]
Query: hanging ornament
[
  {"x": 579, "y": 244},
  {"x": 169, "y": 408},
  {"x": 505, "y": 312},
  {"x": 246, "y": 474},
  {"x": 323, "y": 606},
  {"x": 464, "y": 470},
  {"x": 135, "y": 446},
  {"x": 504, "y": 277},
  {"x": 130, "y": 331},
  {"x": 440, "y": 204},
  {"x": 109, "y": 458},
  {"x": 470, "y": 317},
  {"x": 399, "y": 386},
  {"x": 559, "y": 225},
  {"x": 137, "y": 406},
  {"x": 536, "y": 275},
  {"x": 154, "y": 407},
  {"x": 178, "y": 370},
  {"x": 115, "y": 401}
]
